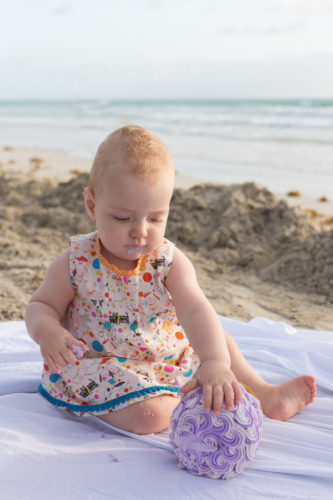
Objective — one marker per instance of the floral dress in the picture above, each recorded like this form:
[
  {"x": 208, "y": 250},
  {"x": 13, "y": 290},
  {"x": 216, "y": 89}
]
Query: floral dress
[{"x": 136, "y": 347}]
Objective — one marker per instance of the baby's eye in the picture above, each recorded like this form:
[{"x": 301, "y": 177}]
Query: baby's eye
[{"x": 122, "y": 219}]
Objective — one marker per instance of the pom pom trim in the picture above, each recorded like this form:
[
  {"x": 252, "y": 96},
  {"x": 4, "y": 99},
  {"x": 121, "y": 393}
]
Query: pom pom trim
[{"x": 108, "y": 404}]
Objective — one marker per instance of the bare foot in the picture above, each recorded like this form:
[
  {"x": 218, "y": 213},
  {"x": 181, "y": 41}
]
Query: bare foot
[{"x": 283, "y": 401}]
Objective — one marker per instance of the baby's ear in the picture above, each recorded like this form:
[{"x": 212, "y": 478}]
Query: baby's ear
[{"x": 89, "y": 201}]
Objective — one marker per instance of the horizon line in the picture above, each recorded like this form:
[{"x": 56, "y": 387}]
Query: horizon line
[{"x": 165, "y": 99}]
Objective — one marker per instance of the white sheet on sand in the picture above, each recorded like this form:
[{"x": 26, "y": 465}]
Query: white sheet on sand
[{"x": 46, "y": 453}]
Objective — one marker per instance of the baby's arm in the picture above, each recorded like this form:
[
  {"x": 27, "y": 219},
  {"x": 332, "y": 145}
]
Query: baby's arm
[
  {"x": 206, "y": 335},
  {"x": 46, "y": 309}
]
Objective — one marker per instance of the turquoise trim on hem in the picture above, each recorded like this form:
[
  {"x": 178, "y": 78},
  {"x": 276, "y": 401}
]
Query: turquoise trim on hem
[{"x": 103, "y": 406}]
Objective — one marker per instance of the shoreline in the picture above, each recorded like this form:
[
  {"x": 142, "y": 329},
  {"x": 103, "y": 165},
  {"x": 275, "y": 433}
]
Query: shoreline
[{"x": 58, "y": 165}]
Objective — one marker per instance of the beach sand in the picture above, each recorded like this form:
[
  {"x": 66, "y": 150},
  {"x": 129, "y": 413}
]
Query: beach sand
[{"x": 255, "y": 253}]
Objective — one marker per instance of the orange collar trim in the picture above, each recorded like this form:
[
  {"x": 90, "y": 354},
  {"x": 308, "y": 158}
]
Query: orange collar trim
[{"x": 114, "y": 268}]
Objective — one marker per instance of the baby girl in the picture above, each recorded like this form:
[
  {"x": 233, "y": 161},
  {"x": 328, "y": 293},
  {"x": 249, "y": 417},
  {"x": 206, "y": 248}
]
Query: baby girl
[{"x": 128, "y": 303}]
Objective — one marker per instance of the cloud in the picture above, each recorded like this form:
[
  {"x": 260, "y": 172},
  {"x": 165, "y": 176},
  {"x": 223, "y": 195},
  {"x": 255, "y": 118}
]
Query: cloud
[
  {"x": 155, "y": 4},
  {"x": 61, "y": 9},
  {"x": 228, "y": 30},
  {"x": 256, "y": 29},
  {"x": 275, "y": 29},
  {"x": 300, "y": 7}
]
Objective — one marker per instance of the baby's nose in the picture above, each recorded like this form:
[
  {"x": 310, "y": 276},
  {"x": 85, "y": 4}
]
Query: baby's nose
[{"x": 139, "y": 230}]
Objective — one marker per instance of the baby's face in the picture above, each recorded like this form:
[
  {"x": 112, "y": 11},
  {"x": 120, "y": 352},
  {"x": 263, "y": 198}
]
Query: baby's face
[{"x": 130, "y": 215}]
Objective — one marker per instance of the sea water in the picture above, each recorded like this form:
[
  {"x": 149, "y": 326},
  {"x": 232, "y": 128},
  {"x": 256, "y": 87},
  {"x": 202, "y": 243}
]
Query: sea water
[{"x": 281, "y": 144}]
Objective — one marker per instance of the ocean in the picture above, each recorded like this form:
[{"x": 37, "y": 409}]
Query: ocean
[{"x": 281, "y": 144}]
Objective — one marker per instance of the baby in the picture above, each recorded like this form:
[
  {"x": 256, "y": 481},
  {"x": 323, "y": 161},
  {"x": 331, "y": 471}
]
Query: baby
[{"x": 127, "y": 302}]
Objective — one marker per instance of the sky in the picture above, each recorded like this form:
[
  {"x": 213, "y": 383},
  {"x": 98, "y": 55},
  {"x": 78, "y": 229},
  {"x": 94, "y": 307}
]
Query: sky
[{"x": 166, "y": 49}]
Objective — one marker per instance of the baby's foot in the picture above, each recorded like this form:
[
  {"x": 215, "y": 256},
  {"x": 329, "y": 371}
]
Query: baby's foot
[{"x": 283, "y": 401}]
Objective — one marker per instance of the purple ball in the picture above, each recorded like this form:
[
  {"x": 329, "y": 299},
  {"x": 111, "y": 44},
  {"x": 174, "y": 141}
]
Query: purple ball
[{"x": 216, "y": 446}]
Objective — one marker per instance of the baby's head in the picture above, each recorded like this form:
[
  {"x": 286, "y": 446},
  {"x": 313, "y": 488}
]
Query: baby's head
[
  {"x": 131, "y": 150},
  {"x": 129, "y": 192}
]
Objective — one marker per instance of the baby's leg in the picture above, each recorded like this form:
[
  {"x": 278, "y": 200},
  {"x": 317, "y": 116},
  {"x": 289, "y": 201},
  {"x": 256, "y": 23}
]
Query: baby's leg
[
  {"x": 280, "y": 402},
  {"x": 144, "y": 417}
]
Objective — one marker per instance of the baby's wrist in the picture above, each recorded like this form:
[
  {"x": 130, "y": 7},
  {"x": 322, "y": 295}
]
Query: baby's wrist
[
  {"x": 216, "y": 360},
  {"x": 50, "y": 330}
]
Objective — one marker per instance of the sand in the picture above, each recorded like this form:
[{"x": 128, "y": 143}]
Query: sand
[{"x": 255, "y": 253}]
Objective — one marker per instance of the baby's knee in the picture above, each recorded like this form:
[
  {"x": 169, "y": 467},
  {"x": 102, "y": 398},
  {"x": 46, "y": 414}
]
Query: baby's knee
[
  {"x": 148, "y": 424},
  {"x": 145, "y": 417},
  {"x": 154, "y": 414}
]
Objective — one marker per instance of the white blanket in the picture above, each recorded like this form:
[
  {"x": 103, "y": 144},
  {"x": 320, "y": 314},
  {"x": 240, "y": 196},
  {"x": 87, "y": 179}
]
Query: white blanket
[{"x": 50, "y": 454}]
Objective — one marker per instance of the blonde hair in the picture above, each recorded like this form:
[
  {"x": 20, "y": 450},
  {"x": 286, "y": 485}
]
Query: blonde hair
[{"x": 137, "y": 149}]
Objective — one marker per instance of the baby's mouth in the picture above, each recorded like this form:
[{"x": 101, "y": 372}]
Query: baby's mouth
[{"x": 135, "y": 250}]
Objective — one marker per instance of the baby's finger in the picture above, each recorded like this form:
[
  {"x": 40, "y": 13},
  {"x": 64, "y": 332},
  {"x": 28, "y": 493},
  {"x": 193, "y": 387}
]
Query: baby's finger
[
  {"x": 229, "y": 397},
  {"x": 74, "y": 352},
  {"x": 207, "y": 393},
  {"x": 218, "y": 399},
  {"x": 51, "y": 364},
  {"x": 60, "y": 360},
  {"x": 237, "y": 392},
  {"x": 69, "y": 357}
]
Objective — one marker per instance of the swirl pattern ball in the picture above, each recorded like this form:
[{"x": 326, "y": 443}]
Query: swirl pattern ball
[{"x": 216, "y": 446}]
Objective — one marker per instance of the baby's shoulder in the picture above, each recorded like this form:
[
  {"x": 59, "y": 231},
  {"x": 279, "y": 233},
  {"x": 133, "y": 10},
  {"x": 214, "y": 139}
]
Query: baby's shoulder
[
  {"x": 83, "y": 239},
  {"x": 81, "y": 244},
  {"x": 166, "y": 248},
  {"x": 83, "y": 248}
]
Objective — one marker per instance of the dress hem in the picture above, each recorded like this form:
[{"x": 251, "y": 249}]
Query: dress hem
[{"x": 103, "y": 406}]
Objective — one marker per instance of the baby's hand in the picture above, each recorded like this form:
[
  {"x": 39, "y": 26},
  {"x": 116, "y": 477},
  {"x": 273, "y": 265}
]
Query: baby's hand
[
  {"x": 59, "y": 348},
  {"x": 218, "y": 384}
]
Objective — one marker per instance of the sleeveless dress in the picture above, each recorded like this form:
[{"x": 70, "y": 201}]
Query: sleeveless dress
[{"x": 136, "y": 347}]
